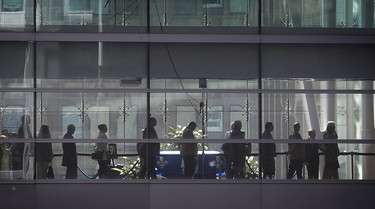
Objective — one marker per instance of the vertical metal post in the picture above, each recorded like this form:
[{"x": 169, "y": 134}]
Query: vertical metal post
[
  {"x": 115, "y": 9},
  {"x": 367, "y": 115},
  {"x": 35, "y": 86},
  {"x": 352, "y": 164},
  {"x": 148, "y": 102},
  {"x": 148, "y": 60},
  {"x": 260, "y": 103}
]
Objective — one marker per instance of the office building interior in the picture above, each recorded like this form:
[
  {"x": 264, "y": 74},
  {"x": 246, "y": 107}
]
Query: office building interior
[{"x": 125, "y": 63}]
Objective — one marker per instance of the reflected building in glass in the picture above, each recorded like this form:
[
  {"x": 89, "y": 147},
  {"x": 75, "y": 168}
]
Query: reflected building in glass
[{"x": 117, "y": 62}]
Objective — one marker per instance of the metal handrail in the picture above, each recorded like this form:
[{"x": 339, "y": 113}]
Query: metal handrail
[{"x": 351, "y": 153}]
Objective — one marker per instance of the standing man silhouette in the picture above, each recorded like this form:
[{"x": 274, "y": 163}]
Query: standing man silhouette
[
  {"x": 296, "y": 154},
  {"x": 70, "y": 154},
  {"x": 189, "y": 151},
  {"x": 149, "y": 151},
  {"x": 268, "y": 150}
]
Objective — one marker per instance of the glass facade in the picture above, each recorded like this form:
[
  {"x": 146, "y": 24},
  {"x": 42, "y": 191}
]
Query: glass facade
[
  {"x": 85, "y": 81},
  {"x": 207, "y": 16}
]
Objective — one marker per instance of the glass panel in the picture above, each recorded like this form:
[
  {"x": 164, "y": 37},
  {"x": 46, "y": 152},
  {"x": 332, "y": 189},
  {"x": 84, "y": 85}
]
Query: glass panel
[
  {"x": 92, "y": 15},
  {"x": 189, "y": 61},
  {"x": 91, "y": 65},
  {"x": 351, "y": 112},
  {"x": 16, "y": 15},
  {"x": 17, "y": 67},
  {"x": 318, "y": 13},
  {"x": 16, "y": 122},
  {"x": 123, "y": 113},
  {"x": 204, "y": 15},
  {"x": 318, "y": 61},
  {"x": 188, "y": 106},
  {"x": 13, "y": 106}
]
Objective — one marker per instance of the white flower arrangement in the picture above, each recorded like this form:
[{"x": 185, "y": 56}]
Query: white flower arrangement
[{"x": 176, "y": 133}]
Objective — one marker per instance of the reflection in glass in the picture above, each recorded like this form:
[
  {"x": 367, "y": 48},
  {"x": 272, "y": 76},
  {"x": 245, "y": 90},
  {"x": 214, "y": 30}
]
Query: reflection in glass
[
  {"x": 197, "y": 13},
  {"x": 12, "y": 108},
  {"x": 16, "y": 111},
  {"x": 92, "y": 15},
  {"x": 16, "y": 15},
  {"x": 318, "y": 13},
  {"x": 17, "y": 69}
]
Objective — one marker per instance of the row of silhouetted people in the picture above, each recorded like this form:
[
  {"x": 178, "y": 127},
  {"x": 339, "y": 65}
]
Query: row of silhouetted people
[
  {"x": 303, "y": 153},
  {"x": 234, "y": 153}
]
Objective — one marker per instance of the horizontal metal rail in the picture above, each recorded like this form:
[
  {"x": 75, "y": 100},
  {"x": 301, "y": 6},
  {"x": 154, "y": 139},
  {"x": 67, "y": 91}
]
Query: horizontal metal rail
[
  {"x": 360, "y": 38},
  {"x": 169, "y": 90},
  {"x": 276, "y": 141}
]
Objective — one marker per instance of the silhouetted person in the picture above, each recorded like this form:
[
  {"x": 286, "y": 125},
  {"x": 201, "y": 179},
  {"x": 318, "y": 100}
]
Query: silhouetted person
[
  {"x": 43, "y": 153},
  {"x": 70, "y": 154},
  {"x": 18, "y": 148},
  {"x": 189, "y": 151},
  {"x": 148, "y": 151},
  {"x": 312, "y": 156},
  {"x": 103, "y": 148},
  {"x": 268, "y": 153},
  {"x": 5, "y": 152},
  {"x": 13, "y": 135},
  {"x": 296, "y": 154},
  {"x": 225, "y": 148},
  {"x": 237, "y": 153},
  {"x": 331, "y": 152}
]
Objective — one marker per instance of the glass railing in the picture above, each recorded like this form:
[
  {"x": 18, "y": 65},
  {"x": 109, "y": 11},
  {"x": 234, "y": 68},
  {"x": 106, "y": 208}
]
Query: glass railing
[
  {"x": 92, "y": 16},
  {"x": 204, "y": 16},
  {"x": 318, "y": 14},
  {"x": 81, "y": 160},
  {"x": 192, "y": 16}
]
